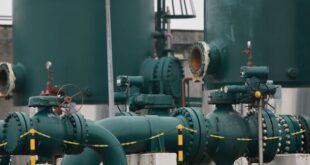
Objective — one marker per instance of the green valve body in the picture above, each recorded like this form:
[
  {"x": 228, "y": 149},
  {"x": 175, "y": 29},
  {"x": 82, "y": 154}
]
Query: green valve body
[{"x": 227, "y": 123}]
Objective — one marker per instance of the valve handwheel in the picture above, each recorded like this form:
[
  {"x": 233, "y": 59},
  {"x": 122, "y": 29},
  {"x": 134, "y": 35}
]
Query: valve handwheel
[{"x": 70, "y": 93}]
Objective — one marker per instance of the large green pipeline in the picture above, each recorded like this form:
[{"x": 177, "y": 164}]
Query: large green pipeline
[
  {"x": 56, "y": 130},
  {"x": 127, "y": 129},
  {"x": 223, "y": 135},
  {"x": 133, "y": 128}
]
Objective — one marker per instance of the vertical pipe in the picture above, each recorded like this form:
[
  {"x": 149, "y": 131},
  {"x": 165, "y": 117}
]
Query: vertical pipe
[
  {"x": 110, "y": 58},
  {"x": 181, "y": 7},
  {"x": 193, "y": 7},
  {"x": 173, "y": 10},
  {"x": 184, "y": 81},
  {"x": 260, "y": 132}
]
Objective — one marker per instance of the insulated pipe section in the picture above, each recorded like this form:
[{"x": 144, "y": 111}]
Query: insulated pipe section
[{"x": 11, "y": 78}]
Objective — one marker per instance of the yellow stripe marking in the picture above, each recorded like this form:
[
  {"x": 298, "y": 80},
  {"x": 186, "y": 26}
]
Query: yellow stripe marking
[
  {"x": 244, "y": 139},
  {"x": 128, "y": 143},
  {"x": 24, "y": 134},
  {"x": 32, "y": 160},
  {"x": 190, "y": 130},
  {"x": 180, "y": 156},
  {"x": 70, "y": 142},
  {"x": 32, "y": 144},
  {"x": 3, "y": 144},
  {"x": 299, "y": 132},
  {"x": 157, "y": 136},
  {"x": 217, "y": 136},
  {"x": 180, "y": 140},
  {"x": 180, "y": 127},
  {"x": 32, "y": 131},
  {"x": 100, "y": 145},
  {"x": 42, "y": 134},
  {"x": 272, "y": 138}
]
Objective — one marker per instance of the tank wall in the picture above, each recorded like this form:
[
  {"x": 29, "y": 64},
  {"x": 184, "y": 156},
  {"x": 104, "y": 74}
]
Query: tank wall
[
  {"x": 72, "y": 35},
  {"x": 278, "y": 31}
]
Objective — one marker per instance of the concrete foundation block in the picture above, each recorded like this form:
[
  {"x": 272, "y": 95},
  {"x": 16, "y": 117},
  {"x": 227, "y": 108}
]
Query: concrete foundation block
[
  {"x": 291, "y": 159},
  {"x": 152, "y": 159}
]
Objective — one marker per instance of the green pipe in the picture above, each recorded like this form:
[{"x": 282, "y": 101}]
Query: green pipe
[
  {"x": 135, "y": 128},
  {"x": 132, "y": 128},
  {"x": 111, "y": 155},
  {"x": 72, "y": 128},
  {"x": 128, "y": 129}
]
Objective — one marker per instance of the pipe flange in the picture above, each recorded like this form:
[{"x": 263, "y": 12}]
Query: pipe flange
[
  {"x": 305, "y": 125},
  {"x": 195, "y": 143},
  {"x": 199, "y": 60},
  {"x": 16, "y": 124},
  {"x": 271, "y": 130},
  {"x": 293, "y": 143},
  {"x": 7, "y": 79},
  {"x": 79, "y": 133},
  {"x": 168, "y": 73}
]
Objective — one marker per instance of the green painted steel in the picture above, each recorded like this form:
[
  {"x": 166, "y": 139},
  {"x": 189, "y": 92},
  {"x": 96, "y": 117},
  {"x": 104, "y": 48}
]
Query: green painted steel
[
  {"x": 228, "y": 123},
  {"x": 223, "y": 135},
  {"x": 1, "y": 134},
  {"x": 163, "y": 76},
  {"x": 112, "y": 155},
  {"x": 71, "y": 34},
  {"x": 305, "y": 124},
  {"x": 52, "y": 131},
  {"x": 278, "y": 31},
  {"x": 132, "y": 128},
  {"x": 158, "y": 89}
]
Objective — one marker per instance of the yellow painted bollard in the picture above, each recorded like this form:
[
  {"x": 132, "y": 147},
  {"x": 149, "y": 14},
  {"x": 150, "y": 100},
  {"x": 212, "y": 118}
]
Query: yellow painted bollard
[
  {"x": 180, "y": 144},
  {"x": 32, "y": 147}
]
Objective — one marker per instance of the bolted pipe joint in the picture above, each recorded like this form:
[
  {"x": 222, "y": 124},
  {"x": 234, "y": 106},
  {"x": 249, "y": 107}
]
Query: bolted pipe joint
[
  {"x": 51, "y": 130},
  {"x": 56, "y": 135}
]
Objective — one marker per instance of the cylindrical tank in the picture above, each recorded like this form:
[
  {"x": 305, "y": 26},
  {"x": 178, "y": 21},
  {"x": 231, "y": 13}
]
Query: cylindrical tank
[
  {"x": 72, "y": 35},
  {"x": 279, "y": 33}
]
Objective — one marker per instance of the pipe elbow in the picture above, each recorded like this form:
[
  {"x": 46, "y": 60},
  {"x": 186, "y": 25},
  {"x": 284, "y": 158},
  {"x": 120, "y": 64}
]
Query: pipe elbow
[{"x": 111, "y": 155}]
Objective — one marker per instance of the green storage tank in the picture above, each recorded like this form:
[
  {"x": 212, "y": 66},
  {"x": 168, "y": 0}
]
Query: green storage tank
[
  {"x": 72, "y": 35},
  {"x": 279, "y": 32}
]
